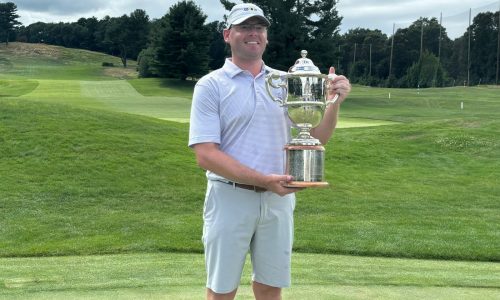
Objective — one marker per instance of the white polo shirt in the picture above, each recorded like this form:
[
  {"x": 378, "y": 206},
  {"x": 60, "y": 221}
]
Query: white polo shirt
[{"x": 232, "y": 108}]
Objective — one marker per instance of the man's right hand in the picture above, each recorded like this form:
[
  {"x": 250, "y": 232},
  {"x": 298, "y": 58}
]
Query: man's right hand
[{"x": 276, "y": 184}]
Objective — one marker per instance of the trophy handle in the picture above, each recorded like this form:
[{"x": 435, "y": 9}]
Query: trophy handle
[
  {"x": 282, "y": 85},
  {"x": 335, "y": 98},
  {"x": 330, "y": 77}
]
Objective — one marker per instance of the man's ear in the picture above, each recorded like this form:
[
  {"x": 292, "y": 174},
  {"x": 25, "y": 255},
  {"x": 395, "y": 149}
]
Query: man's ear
[{"x": 225, "y": 34}]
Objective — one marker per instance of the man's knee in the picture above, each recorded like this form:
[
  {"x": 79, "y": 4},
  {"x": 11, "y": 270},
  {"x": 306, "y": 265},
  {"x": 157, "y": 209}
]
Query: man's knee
[
  {"x": 211, "y": 295},
  {"x": 265, "y": 292}
]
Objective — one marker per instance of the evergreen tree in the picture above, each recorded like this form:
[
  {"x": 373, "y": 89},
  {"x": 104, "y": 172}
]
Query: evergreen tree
[
  {"x": 147, "y": 61},
  {"x": 138, "y": 32},
  {"x": 8, "y": 20},
  {"x": 425, "y": 73},
  {"x": 184, "y": 44},
  {"x": 299, "y": 24},
  {"x": 218, "y": 50}
]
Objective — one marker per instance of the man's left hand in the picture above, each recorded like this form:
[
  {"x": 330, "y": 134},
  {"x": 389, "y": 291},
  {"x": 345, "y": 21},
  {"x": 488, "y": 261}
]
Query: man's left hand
[{"x": 339, "y": 85}]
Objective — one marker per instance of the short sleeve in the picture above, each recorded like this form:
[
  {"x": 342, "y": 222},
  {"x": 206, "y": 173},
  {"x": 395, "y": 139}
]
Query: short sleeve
[{"x": 205, "y": 116}]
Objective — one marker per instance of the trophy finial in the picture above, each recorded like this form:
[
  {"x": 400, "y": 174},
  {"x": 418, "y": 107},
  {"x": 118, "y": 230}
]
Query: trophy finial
[{"x": 304, "y": 66}]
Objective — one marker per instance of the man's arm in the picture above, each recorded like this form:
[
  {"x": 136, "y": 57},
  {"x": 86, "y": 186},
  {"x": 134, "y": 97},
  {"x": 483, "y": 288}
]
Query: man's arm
[
  {"x": 210, "y": 157},
  {"x": 341, "y": 86}
]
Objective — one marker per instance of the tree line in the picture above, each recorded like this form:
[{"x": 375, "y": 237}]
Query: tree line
[{"x": 181, "y": 44}]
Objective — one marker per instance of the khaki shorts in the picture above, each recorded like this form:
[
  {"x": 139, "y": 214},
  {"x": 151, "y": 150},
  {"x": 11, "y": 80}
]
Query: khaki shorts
[{"x": 238, "y": 221}]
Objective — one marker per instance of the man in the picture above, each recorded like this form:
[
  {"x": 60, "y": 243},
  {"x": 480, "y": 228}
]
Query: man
[{"x": 238, "y": 133}]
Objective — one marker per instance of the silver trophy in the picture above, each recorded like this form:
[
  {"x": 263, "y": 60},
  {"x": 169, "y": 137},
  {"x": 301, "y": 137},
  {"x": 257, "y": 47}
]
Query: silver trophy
[{"x": 304, "y": 94}]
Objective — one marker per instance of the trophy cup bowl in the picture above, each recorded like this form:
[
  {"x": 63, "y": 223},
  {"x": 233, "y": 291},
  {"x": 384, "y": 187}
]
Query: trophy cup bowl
[{"x": 304, "y": 94}]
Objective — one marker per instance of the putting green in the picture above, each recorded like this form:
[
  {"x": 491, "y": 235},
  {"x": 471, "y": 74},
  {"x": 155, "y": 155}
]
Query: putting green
[
  {"x": 359, "y": 122},
  {"x": 119, "y": 95}
]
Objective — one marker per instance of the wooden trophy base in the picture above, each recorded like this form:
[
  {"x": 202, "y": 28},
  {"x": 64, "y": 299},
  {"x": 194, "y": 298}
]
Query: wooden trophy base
[{"x": 305, "y": 184}]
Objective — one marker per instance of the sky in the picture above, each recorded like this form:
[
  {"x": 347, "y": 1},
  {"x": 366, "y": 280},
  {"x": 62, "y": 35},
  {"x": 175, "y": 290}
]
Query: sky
[{"x": 372, "y": 14}]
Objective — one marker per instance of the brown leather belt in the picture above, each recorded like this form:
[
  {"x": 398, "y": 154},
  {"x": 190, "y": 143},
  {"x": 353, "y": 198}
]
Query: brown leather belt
[{"x": 254, "y": 188}]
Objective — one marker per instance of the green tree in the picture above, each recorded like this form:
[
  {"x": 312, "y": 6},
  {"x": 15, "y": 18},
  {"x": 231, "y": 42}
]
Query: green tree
[
  {"x": 184, "y": 42},
  {"x": 218, "y": 50},
  {"x": 410, "y": 44},
  {"x": 138, "y": 33},
  {"x": 115, "y": 40},
  {"x": 365, "y": 55},
  {"x": 483, "y": 51},
  {"x": 147, "y": 61},
  {"x": 126, "y": 36},
  {"x": 426, "y": 72},
  {"x": 484, "y": 47},
  {"x": 458, "y": 67},
  {"x": 296, "y": 25},
  {"x": 89, "y": 39},
  {"x": 33, "y": 33},
  {"x": 8, "y": 20},
  {"x": 324, "y": 33}
]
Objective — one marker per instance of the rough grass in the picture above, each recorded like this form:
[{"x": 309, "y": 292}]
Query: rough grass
[{"x": 40, "y": 61}]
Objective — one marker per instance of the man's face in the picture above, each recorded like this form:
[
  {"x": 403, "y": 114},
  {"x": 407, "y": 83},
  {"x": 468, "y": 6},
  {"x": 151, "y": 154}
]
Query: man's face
[{"x": 248, "y": 40}]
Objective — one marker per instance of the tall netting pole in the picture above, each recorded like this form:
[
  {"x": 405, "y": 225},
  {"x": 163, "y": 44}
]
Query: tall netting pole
[
  {"x": 370, "y": 72},
  {"x": 421, "y": 38},
  {"x": 439, "y": 48},
  {"x": 468, "y": 50},
  {"x": 392, "y": 49},
  {"x": 498, "y": 46}
]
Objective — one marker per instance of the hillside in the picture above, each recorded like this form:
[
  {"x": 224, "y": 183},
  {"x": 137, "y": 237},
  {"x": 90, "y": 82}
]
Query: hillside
[
  {"x": 79, "y": 181},
  {"x": 55, "y": 62},
  {"x": 85, "y": 171}
]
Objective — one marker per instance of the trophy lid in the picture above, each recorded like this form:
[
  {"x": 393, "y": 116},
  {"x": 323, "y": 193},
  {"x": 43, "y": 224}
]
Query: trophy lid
[{"x": 304, "y": 66}]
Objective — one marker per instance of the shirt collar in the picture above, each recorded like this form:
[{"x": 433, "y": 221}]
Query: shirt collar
[{"x": 232, "y": 70}]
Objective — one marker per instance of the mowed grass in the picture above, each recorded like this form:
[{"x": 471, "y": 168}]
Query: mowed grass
[
  {"x": 69, "y": 176},
  {"x": 90, "y": 167},
  {"x": 158, "y": 276},
  {"x": 83, "y": 181},
  {"x": 59, "y": 75}
]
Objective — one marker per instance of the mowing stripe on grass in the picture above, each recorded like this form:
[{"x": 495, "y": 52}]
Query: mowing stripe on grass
[
  {"x": 121, "y": 96},
  {"x": 182, "y": 276}
]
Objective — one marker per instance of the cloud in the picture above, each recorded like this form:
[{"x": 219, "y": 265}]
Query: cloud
[
  {"x": 382, "y": 14},
  {"x": 60, "y": 7},
  {"x": 49, "y": 11},
  {"x": 371, "y": 14}
]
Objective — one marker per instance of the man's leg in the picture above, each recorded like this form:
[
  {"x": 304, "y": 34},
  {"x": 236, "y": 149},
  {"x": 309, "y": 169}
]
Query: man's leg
[
  {"x": 265, "y": 292},
  {"x": 211, "y": 295},
  {"x": 230, "y": 216},
  {"x": 272, "y": 246}
]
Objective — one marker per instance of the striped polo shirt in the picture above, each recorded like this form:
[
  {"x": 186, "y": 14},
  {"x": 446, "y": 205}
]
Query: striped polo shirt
[{"x": 231, "y": 108}]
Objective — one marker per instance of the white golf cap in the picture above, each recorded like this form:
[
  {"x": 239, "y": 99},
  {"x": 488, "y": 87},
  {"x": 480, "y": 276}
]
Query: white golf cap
[{"x": 241, "y": 12}]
